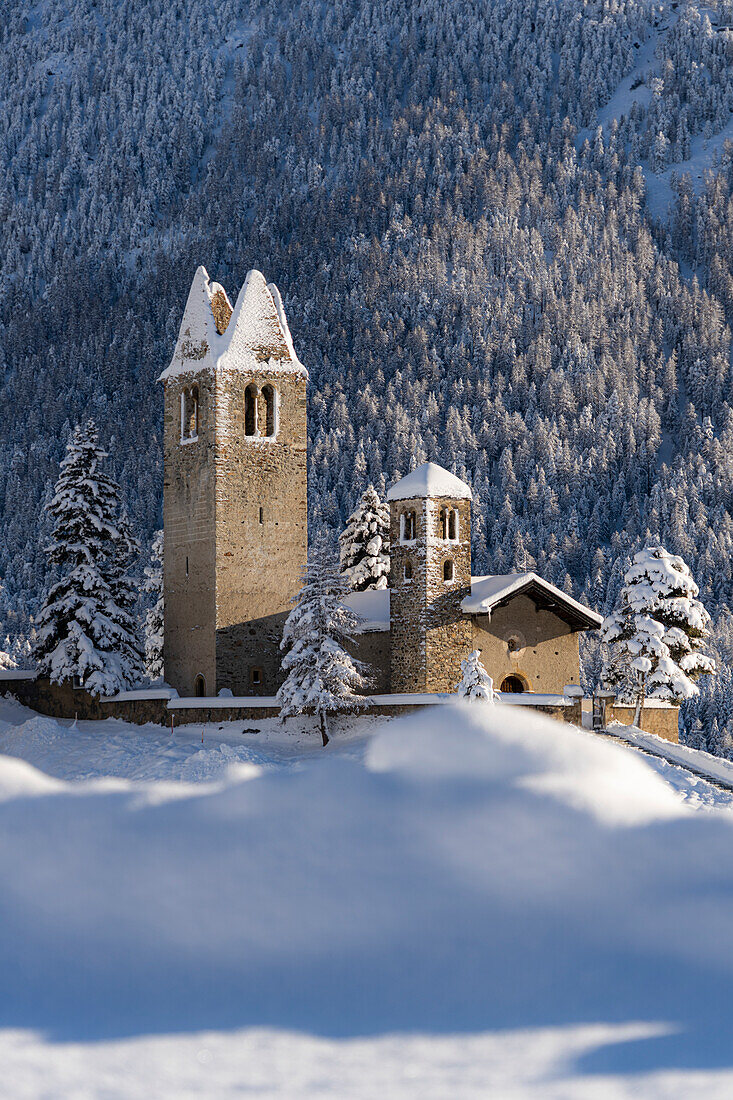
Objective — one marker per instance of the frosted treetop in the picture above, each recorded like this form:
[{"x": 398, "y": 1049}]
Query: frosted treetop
[
  {"x": 430, "y": 480},
  {"x": 254, "y": 335}
]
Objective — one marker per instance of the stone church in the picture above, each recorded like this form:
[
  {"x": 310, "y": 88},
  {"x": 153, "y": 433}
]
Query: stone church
[{"x": 235, "y": 521}]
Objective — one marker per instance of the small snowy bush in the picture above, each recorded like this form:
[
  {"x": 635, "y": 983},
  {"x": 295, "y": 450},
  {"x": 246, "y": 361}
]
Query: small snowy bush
[
  {"x": 656, "y": 635},
  {"x": 475, "y": 682},
  {"x": 364, "y": 543},
  {"x": 322, "y": 677}
]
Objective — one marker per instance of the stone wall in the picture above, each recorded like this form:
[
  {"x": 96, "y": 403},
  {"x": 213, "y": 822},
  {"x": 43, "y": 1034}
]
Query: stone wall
[
  {"x": 545, "y": 653},
  {"x": 189, "y": 529},
  {"x": 56, "y": 700},
  {"x": 261, "y": 529},
  {"x": 663, "y": 721},
  {"x": 63, "y": 701},
  {"x": 373, "y": 648}
]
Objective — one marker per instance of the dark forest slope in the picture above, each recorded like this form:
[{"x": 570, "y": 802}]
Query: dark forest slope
[{"x": 471, "y": 271}]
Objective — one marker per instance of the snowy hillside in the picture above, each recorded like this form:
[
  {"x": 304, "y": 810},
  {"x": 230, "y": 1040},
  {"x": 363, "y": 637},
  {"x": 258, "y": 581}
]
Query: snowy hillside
[{"x": 435, "y": 906}]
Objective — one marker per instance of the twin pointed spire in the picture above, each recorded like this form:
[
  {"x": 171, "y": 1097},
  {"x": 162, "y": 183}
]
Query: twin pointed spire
[{"x": 254, "y": 335}]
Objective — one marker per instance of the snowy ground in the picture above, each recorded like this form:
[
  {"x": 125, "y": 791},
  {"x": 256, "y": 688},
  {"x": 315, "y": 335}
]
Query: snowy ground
[{"x": 460, "y": 903}]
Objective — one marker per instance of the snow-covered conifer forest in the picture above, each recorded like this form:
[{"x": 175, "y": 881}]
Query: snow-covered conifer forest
[{"x": 504, "y": 232}]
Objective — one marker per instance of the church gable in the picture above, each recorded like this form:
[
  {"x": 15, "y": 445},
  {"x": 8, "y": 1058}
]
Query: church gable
[{"x": 527, "y": 631}]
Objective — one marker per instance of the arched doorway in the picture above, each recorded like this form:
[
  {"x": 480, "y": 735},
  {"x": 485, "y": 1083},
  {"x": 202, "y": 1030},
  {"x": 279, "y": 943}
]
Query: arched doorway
[
  {"x": 514, "y": 685},
  {"x": 199, "y": 687}
]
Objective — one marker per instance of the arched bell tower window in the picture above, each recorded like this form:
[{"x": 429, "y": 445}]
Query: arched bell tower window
[
  {"x": 407, "y": 527},
  {"x": 449, "y": 524},
  {"x": 269, "y": 397},
  {"x": 250, "y": 410},
  {"x": 190, "y": 414}
]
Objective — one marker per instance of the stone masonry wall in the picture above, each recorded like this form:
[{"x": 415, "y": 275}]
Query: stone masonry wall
[
  {"x": 189, "y": 525},
  {"x": 663, "y": 721},
  {"x": 373, "y": 648},
  {"x": 449, "y": 631},
  {"x": 261, "y": 529}
]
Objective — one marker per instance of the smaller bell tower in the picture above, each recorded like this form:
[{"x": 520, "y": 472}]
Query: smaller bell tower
[{"x": 430, "y": 575}]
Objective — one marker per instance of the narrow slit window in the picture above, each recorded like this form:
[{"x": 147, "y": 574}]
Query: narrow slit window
[
  {"x": 448, "y": 570},
  {"x": 408, "y": 570},
  {"x": 190, "y": 414},
  {"x": 255, "y": 677},
  {"x": 193, "y": 413},
  {"x": 262, "y": 515},
  {"x": 186, "y": 566}
]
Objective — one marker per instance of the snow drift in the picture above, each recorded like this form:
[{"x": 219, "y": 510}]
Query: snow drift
[{"x": 478, "y": 869}]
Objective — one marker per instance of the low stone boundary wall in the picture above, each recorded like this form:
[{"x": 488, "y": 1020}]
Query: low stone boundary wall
[
  {"x": 162, "y": 707},
  {"x": 661, "y": 720},
  {"x": 55, "y": 700}
]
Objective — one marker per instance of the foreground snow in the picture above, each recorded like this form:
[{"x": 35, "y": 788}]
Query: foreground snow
[{"x": 464, "y": 902}]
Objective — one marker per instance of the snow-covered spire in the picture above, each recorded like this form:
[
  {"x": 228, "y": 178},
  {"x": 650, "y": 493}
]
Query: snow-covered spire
[
  {"x": 252, "y": 336},
  {"x": 260, "y": 336},
  {"x": 200, "y": 338}
]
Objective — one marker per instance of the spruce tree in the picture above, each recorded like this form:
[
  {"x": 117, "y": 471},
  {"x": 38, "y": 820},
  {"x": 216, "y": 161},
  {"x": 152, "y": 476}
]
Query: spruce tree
[
  {"x": 475, "y": 684},
  {"x": 322, "y": 677},
  {"x": 85, "y": 631},
  {"x": 154, "y": 617},
  {"x": 656, "y": 635},
  {"x": 364, "y": 543}
]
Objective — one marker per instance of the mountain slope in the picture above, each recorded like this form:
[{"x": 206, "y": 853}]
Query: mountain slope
[{"x": 467, "y": 279}]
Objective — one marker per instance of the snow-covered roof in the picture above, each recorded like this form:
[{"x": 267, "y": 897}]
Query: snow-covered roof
[
  {"x": 489, "y": 592},
  {"x": 430, "y": 480},
  {"x": 252, "y": 336},
  {"x": 372, "y": 607}
]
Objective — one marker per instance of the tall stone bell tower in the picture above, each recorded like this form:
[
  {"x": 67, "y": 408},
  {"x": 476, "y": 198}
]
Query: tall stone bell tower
[{"x": 234, "y": 504}]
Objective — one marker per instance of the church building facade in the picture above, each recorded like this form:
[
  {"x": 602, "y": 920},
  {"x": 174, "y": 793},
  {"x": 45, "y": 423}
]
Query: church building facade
[{"x": 235, "y": 522}]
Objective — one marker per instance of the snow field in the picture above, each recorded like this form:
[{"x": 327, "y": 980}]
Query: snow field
[{"x": 470, "y": 901}]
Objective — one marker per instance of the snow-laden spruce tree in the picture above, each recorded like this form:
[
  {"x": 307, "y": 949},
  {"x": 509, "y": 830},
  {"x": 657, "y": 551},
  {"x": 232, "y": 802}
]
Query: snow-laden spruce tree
[
  {"x": 657, "y": 633},
  {"x": 7, "y": 660},
  {"x": 85, "y": 631},
  {"x": 364, "y": 543},
  {"x": 475, "y": 682},
  {"x": 154, "y": 620},
  {"x": 322, "y": 678}
]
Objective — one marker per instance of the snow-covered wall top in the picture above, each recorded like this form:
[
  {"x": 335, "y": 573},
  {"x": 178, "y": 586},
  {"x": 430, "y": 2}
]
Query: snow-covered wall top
[
  {"x": 252, "y": 336},
  {"x": 430, "y": 480}
]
